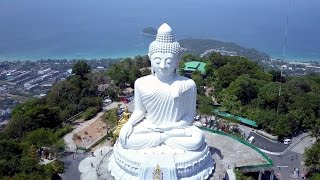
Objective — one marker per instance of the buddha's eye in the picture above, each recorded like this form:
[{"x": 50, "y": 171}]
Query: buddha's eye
[
  {"x": 157, "y": 61},
  {"x": 169, "y": 61}
]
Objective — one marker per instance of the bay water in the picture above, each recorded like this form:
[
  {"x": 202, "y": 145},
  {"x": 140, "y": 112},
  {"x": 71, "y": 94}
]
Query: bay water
[{"x": 60, "y": 29}]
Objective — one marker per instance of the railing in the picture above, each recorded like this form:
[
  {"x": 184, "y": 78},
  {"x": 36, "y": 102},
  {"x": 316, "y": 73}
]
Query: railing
[{"x": 236, "y": 118}]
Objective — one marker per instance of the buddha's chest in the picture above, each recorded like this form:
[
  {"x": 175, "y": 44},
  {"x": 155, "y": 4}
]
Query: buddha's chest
[
  {"x": 155, "y": 88},
  {"x": 163, "y": 96}
]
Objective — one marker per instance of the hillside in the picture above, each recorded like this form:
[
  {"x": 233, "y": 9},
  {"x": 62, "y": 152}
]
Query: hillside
[
  {"x": 200, "y": 46},
  {"x": 150, "y": 31}
]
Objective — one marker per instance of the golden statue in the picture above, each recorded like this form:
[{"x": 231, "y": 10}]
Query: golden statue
[
  {"x": 157, "y": 173},
  {"x": 121, "y": 122}
]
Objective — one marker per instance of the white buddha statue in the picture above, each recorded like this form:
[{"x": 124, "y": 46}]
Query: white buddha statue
[
  {"x": 159, "y": 139},
  {"x": 165, "y": 102}
]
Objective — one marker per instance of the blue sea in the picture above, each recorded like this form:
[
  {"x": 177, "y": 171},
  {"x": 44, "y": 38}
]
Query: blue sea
[{"x": 66, "y": 29}]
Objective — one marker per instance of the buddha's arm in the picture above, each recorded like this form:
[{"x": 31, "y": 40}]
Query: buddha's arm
[
  {"x": 139, "y": 109},
  {"x": 187, "y": 119},
  {"x": 137, "y": 115},
  {"x": 189, "y": 107}
]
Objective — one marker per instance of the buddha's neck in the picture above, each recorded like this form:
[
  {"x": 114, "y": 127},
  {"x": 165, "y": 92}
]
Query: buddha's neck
[{"x": 166, "y": 78}]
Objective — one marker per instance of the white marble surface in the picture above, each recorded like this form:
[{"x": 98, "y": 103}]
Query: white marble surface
[{"x": 88, "y": 166}]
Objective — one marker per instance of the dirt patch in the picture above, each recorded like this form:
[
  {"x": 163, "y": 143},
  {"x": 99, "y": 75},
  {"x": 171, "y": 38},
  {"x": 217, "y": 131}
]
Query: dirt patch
[{"x": 91, "y": 133}]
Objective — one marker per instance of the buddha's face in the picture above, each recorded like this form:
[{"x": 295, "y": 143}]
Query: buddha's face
[{"x": 164, "y": 63}]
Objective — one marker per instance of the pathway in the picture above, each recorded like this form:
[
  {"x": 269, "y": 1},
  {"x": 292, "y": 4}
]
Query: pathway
[{"x": 69, "y": 143}]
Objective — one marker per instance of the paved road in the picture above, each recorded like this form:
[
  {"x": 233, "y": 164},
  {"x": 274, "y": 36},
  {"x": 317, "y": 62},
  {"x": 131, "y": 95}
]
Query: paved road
[
  {"x": 265, "y": 144},
  {"x": 304, "y": 143},
  {"x": 247, "y": 130},
  {"x": 285, "y": 164},
  {"x": 71, "y": 165},
  {"x": 292, "y": 159}
]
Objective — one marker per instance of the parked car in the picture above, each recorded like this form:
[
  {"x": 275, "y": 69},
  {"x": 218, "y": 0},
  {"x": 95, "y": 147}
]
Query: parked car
[
  {"x": 106, "y": 102},
  {"x": 287, "y": 141},
  {"x": 251, "y": 139},
  {"x": 197, "y": 117},
  {"x": 126, "y": 99}
]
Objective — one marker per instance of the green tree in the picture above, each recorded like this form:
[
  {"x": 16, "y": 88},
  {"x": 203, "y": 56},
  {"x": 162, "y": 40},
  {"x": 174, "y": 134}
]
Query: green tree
[
  {"x": 312, "y": 157},
  {"x": 142, "y": 61},
  {"x": 236, "y": 67},
  {"x": 119, "y": 74},
  {"x": 283, "y": 127},
  {"x": 26, "y": 118},
  {"x": 204, "y": 105},
  {"x": 189, "y": 57},
  {"x": 218, "y": 60},
  {"x": 209, "y": 69},
  {"x": 315, "y": 176},
  {"x": 268, "y": 96},
  {"x": 315, "y": 129},
  {"x": 276, "y": 76},
  {"x": 145, "y": 72},
  {"x": 298, "y": 86},
  {"x": 134, "y": 74},
  {"x": 197, "y": 78},
  {"x": 27, "y": 176},
  {"x": 10, "y": 156},
  {"x": 54, "y": 168},
  {"x": 231, "y": 104},
  {"x": 244, "y": 88},
  {"x": 81, "y": 68},
  {"x": 29, "y": 164},
  {"x": 40, "y": 137},
  {"x": 241, "y": 176}
]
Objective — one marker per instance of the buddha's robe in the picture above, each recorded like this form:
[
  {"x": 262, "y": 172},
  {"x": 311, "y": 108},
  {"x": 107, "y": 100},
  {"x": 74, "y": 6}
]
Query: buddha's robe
[{"x": 165, "y": 105}]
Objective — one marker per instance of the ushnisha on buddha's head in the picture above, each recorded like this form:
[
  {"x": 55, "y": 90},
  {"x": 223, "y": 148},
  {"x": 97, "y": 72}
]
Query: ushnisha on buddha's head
[{"x": 164, "y": 52}]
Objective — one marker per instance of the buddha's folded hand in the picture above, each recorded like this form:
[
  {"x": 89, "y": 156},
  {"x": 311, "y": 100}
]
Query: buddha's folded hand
[
  {"x": 125, "y": 132},
  {"x": 176, "y": 125}
]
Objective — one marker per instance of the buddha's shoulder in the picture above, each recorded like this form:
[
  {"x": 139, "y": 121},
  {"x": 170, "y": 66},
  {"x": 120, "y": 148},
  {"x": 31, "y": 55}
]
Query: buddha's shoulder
[
  {"x": 145, "y": 79},
  {"x": 186, "y": 81},
  {"x": 180, "y": 81}
]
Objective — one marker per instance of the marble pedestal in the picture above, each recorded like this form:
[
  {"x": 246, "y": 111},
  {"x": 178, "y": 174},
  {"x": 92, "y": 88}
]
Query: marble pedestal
[{"x": 128, "y": 164}]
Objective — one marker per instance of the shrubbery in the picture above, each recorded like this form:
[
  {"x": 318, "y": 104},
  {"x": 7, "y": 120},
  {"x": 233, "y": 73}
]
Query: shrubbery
[
  {"x": 111, "y": 118},
  {"x": 63, "y": 131},
  {"x": 90, "y": 113}
]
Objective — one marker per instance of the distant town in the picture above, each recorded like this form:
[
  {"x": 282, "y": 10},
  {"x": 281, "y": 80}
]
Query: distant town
[{"x": 22, "y": 80}]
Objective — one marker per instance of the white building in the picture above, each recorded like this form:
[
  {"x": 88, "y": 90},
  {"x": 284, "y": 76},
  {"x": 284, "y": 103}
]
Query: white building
[{"x": 44, "y": 71}]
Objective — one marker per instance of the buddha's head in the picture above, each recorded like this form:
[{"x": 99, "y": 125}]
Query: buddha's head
[{"x": 164, "y": 52}]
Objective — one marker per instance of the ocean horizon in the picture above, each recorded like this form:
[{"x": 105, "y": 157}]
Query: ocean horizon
[{"x": 76, "y": 29}]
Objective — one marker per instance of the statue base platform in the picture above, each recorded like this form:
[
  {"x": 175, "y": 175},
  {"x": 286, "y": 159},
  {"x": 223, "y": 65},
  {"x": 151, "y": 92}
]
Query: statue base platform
[{"x": 161, "y": 163}]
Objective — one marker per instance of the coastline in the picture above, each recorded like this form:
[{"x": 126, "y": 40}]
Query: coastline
[
  {"x": 295, "y": 59},
  {"x": 147, "y": 34},
  {"x": 130, "y": 51},
  {"x": 131, "y": 55},
  {"x": 73, "y": 57}
]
